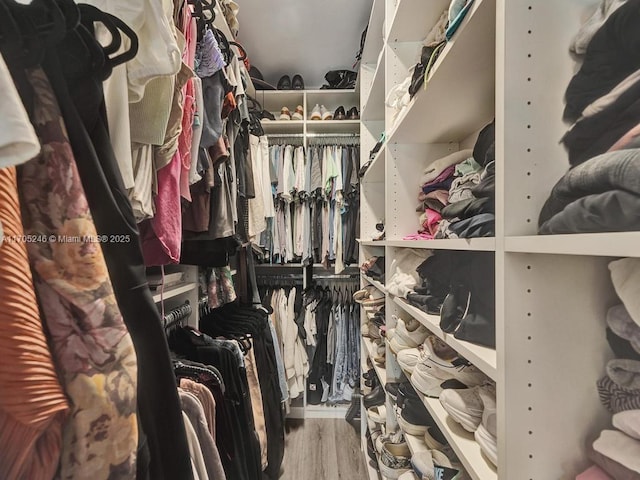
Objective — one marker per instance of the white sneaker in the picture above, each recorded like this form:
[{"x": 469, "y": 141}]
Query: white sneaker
[
  {"x": 443, "y": 467},
  {"x": 325, "y": 114},
  {"x": 378, "y": 414},
  {"x": 407, "y": 359},
  {"x": 465, "y": 405},
  {"x": 429, "y": 375},
  {"x": 404, "y": 338},
  {"x": 315, "y": 113},
  {"x": 409, "y": 476},
  {"x": 486, "y": 434}
]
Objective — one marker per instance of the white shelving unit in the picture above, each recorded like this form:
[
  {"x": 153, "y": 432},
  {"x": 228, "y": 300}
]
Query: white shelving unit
[
  {"x": 175, "y": 295},
  {"x": 508, "y": 60}
]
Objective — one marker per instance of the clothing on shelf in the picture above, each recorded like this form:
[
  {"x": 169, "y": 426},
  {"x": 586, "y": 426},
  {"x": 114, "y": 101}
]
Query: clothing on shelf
[
  {"x": 316, "y": 197},
  {"x": 603, "y": 101}
]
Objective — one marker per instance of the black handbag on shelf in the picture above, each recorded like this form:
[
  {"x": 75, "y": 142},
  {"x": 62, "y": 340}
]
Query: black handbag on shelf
[
  {"x": 428, "y": 57},
  {"x": 340, "y": 79}
]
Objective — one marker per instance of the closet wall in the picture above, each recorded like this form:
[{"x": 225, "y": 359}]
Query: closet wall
[{"x": 508, "y": 59}]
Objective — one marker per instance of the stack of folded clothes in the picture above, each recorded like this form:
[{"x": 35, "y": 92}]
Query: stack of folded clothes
[
  {"x": 457, "y": 193},
  {"x": 617, "y": 451},
  {"x": 601, "y": 193}
]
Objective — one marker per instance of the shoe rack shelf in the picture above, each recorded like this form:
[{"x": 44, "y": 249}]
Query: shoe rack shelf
[
  {"x": 375, "y": 283},
  {"x": 416, "y": 444},
  {"x": 474, "y": 244},
  {"x": 274, "y": 100},
  {"x": 482, "y": 357},
  {"x": 508, "y": 59}
]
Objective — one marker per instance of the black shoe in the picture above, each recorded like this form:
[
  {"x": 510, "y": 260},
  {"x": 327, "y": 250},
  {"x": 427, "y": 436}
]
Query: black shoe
[
  {"x": 368, "y": 375},
  {"x": 415, "y": 418},
  {"x": 406, "y": 392},
  {"x": 372, "y": 382},
  {"x": 284, "y": 83},
  {"x": 353, "y": 114},
  {"x": 375, "y": 398},
  {"x": 339, "y": 113},
  {"x": 392, "y": 390},
  {"x": 298, "y": 82}
]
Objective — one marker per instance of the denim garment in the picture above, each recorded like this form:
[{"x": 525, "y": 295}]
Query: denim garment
[{"x": 609, "y": 171}]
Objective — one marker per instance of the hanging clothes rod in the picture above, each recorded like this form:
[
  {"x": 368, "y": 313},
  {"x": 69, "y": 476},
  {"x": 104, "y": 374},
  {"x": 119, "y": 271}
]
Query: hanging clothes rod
[{"x": 312, "y": 135}]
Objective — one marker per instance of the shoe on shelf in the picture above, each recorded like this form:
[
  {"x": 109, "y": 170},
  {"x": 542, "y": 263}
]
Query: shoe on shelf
[
  {"x": 432, "y": 380},
  {"x": 315, "y": 113},
  {"x": 422, "y": 464},
  {"x": 408, "y": 358},
  {"x": 446, "y": 469},
  {"x": 406, "y": 392},
  {"x": 378, "y": 414},
  {"x": 353, "y": 114},
  {"x": 465, "y": 406},
  {"x": 391, "y": 437},
  {"x": 395, "y": 460},
  {"x": 392, "y": 389},
  {"x": 410, "y": 475},
  {"x": 325, "y": 114},
  {"x": 266, "y": 116},
  {"x": 412, "y": 325},
  {"x": 284, "y": 83},
  {"x": 298, "y": 114},
  {"x": 414, "y": 419},
  {"x": 339, "y": 114},
  {"x": 486, "y": 434},
  {"x": 404, "y": 339},
  {"x": 375, "y": 398},
  {"x": 369, "y": 374},
  {"x": 297, "y": 83},
  {"x": 285, "y": 114}
]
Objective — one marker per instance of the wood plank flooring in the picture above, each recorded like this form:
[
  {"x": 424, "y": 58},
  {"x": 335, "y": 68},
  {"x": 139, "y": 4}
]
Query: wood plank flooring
[{"x": 322, "y": 449}]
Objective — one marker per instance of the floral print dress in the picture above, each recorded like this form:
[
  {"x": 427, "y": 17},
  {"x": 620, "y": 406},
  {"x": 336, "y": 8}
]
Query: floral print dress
[{"x": 91, "y": 346}]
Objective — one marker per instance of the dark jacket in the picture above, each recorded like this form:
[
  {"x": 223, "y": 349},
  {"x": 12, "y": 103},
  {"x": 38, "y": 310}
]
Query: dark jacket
[
  {"x": 612, "y": 54},
  {"x": 618, "y": 170}
]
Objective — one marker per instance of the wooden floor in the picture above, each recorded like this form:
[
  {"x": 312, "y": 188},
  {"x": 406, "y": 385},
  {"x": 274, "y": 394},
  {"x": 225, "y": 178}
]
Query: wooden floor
[{"x": 322, "y": 449}]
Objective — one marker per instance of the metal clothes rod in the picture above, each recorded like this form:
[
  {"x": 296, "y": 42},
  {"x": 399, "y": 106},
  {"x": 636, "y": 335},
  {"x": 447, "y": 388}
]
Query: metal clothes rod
[{"x": 312, "y": 135}]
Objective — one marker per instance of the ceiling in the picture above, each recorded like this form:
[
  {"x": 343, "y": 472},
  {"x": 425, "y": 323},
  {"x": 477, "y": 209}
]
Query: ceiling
[{"x": 302, "y": 36}]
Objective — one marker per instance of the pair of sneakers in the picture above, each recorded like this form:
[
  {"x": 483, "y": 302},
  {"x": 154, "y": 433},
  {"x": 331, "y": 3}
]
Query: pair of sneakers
[
  {"x": 320, "y": 112},
  {"x": 298, "y": 113},
  {"x": 475, "y": 409},
  {"x": 440, "y": 367}
]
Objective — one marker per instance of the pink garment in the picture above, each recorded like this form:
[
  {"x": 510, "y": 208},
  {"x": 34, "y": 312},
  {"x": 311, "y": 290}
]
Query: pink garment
[
  {"x": 161, "y": 235},
  {"x": 593, "y": 473},
  {"x": 626, "y": 139},
  {"x": 430, "y": 221},
  {"x": 189, "y": 28},
  {"x": 442, "y": 176}
]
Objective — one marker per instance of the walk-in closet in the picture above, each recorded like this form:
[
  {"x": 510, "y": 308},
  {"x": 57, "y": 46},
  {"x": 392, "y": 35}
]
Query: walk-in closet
[{"x": 364, "y": 240}]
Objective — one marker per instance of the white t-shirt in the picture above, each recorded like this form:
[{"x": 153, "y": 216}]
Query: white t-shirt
[{"x": 18, "y": 140}]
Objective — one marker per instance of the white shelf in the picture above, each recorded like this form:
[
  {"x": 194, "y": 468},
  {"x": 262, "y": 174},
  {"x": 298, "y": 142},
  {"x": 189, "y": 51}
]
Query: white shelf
[
  {"x": 375, "y": 283},
  {"x": 371, "y": 243},
  {"x": 370, "y": 350},
  {"x": 174, "y": 291},
  {"x": 371, "y": 472},
  {"x": 333, "y": 126},
  {"x": 619, "y": 244},
  {"x": 375, "y": 172},
  {"x": 373, "y": 106},
  {"x": 462, "y": 83},
  {"x": 375, "y": 38},
  {"x": 461, "y": 441},
  {"x": 482, "y": 357},
  {"x": 474, "y": 244},
  {"x": 414, "y": 19},
  {"x": 282, "y": 126},
  {"x": 415, "y": 444}
]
